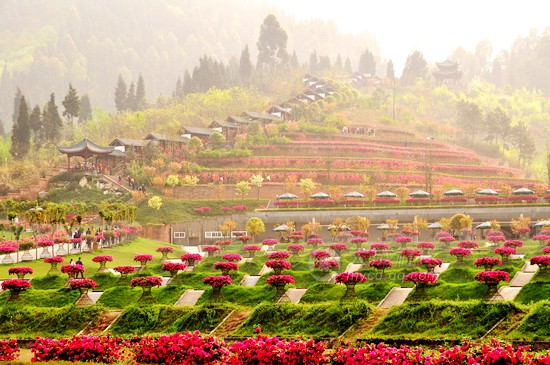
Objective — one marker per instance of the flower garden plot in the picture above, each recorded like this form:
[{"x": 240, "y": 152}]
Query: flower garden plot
[
  {"x": 310, "y": 320},
  {"x": 433, "y": 319}
]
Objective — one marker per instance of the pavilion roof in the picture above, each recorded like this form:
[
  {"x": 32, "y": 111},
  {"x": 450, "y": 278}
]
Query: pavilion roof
[
  {"x": 198, "y": 131},
  {"x": 85, "y": 148},
  {"x": 129, "y": 142}
]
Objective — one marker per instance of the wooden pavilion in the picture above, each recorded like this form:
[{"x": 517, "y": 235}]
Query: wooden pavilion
[{"x": 88, "y": 149}]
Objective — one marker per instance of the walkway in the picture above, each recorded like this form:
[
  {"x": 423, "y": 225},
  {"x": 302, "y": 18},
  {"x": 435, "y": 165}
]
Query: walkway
[
  {"x": 522, "y": 278},
  {"x": 189, "y": 297}
]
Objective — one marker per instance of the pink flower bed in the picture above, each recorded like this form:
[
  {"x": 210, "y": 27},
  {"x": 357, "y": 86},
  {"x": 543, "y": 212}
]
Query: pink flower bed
[
  {"x": 420, "y": 278},
  {"x": 270, "y": 242},
  {"x": 232, "y": 257},
  {"x": 72, "y": 269},
  {"x": 460, "y": 252},
  {"x": 350, "y": 278},
  {"x": 223, "y": 243},
  {"x": 491, "y": 277},
  {"x": 505, "y": 252},
  {"x": 410, "y": 253},
  {"x": 320, "y": 255},
  {"x": 487, "y": 262},
  {"x": 143, "y": 258},
  {"x": 44, "y": 243},
  {"x": 338, "y": 247},
  {"x": 145, "y": 282},
  {"x": 218, "y": 281},
  {"x": 425, "y": 245},
  {"x": 102, "y": 258},
  {"x": 9, "y": 350},
  {"x": 430, "y": 263}
]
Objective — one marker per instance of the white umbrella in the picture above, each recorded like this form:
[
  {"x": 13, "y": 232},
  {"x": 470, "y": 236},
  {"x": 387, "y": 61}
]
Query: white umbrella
[
  {"x": 385, "y": 227},
  {"x": 489, "y": 192},
  {"x": 453, "y": 192},
  {"x": 542, "y": 224},
  {"x": 354, "y": 194},
  {"x": 484, "y": 225},
  {"x": 320, "y": 195},
  {"x": 420, "y": 194},
  {"x": 434, "y": 225},
  {"x": 523, "y": 191},
  {"x": 287, "y": 196},
  {"x": 386, "y": 194},
  {"x": 281, "y": 228}
]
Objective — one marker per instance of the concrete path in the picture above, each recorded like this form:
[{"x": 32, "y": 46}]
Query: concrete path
[
  {"x": 439, "y": 269},
  {"x": 265, "y": 270},
  {"x": 292, "y": 295},
  {"x": 94, "y": 295},
  {"x": 190, "y": 297},
  {"x": 396, "y": 296},
  {"x": 353, "y": 267},
  {"x": 522, "y": 278},
  {"x": 250, "y": 280}
]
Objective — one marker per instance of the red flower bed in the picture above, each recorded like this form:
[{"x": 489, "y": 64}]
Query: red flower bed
[
  {"x": 468, "y": 244},
  {"x": 82, "y": 348},
  {"x": 20, "y": 270},
  {"x": 82, "y": 283},
  {"x": 403, "y": 239},
  {"x": 232, "y": 257},
  {"x": 295, "y": 248},
  {"x": 338, "y": 247},
  {"x": 8, "y": 247},
  {"x": 420, "y": 278},
  {"x": 522, "y": 199},
  {"x": 218, "y": 281},
  {"x": 203, "y": 209},
  {"x": 418, "y": 200},
  {"x": 148, "y": 281},
  {"x": 320, "y": 255},
  {"x": 381, "y": 264},
  {"x": 358, "y": 240},
  {"x": 496, "y": 238},
  {"x": 244, "y": 238},
  {"x": 453, "y": 199},
  {"x": 326, "y": 265},
  {"x": 102, "y": 258},
  {"x": 487, "y": 199},
  {"x": 165, "y": 249},
  {"x": 143, "y": 258},
  {"x": 542, "y": 261},
  {"x": 350, "y": 278},
  {"x": 173, "y": 266},
  {"x": 487, "y": 262},
  {"x": 382, "y": 200},
  {"x": 314, "y": 241},
  {"x": 124, "y": 269},
  {"x": 15, "y": 284},
  {"x": 57, "y": 259},
  {"x": 280, "y": 280},
  {"x": 491, "y": 277},
  {"x": 9, "y": 350}
]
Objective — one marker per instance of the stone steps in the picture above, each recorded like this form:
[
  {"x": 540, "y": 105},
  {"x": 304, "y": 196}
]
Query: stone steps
[
  {"x": 250, "y": 280},
  {"x": 396, "y": 296},
  {"x": 189, "y": 297},
  {"x": 292, "y": 295}
]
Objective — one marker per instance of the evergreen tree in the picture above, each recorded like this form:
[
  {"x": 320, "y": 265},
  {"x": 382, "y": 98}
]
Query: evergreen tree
[
  {"x": 324, "y": 63},
  {"x": 294, "y": 60},
  {"x": 140, "y": 93},
  {"x": 21, "y": 134},
  {"x": 131, "y": 100},
  {"x": 390, "y": 71},
  {"x": 272, "y": 44},
  {"x": 313, "y": 62},
  {"x": 367, "y": 65},
  {"x": 71, "y": 103},
  {"x": 85, "y": 109},
  {"x": 245, "y": 67},
  {"x": 16, "y": 102},
  {"x": 338, "y": 64},
  {"x": 498, "y": 125},
  {"x": 177, "y": 94},
  {"x": 35, "y": 123},
  {"x": 187, "y": 83},
  {"x": 347, "y": 66},
  {"x": 415, "y": 67},
  {"x": 51, "y": 121},
  {"x": 121, "y": 92}
]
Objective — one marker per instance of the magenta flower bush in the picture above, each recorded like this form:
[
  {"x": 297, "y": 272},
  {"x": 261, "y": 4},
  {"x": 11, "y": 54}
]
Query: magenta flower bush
[
  {"x": 211, "y": 249},
  {"x": 165, "y": 249},
  {"x": 82, "y": 284},
  {"x": 45, "y": 243},
  {"x": 270, "y": 242},
  {"x": 244, "y": 239},
  {"x": 403, "y": 240},
  {"x": 278, "y": 255},
  {"x": 232, "y": 257},
  {"x": 218, "y": 281},
  {"x": 350, "y": 278},
  {"x": 190, "y": 258},
  {"x": 53, "y": 259},
  {"x": 226, "y": 267},
  {"x": 420, "y": 278},
  {"x": 102, "y": 258},
  {"x": 15, "y": 284},
  {"x": 98, "y": 349},
  {"x": 460, "y": 253},
  {"x": 223, "y": 243},
  {"x": 124, "y": 270},
  {"x": 326, "y": 265},
  {"x": 542, "y": 261},
  {"x": 295, "y": 248},
  {"x": 278, "y": 265},
  {"x": 319, "y": 255},
  {"x": 338, "y": 248},
  {"x": 446, "y": 239},
  {"x": 468, "y": 244},
  {"x": 173, "y": 267},
  {"x": 496, "y": 238},
  {"x": 251, "y": 249},
  {"x": 425, "y": 247},
  {"x": 8, "y": 247},
  {"x": 9, "y": 350},
  {"x": 491, "y": 277},
  {"x": 358, "y": 241},
  {"x": 487, "y": 262},
  {"x": 143, "y": 259},
  {"x": 513, "y": 243},
  {"x": 315, "y": 242},
  {"x": 546, "y": 249},
  {"x": 365, "y": 255},
  {"x": 379, "y": 246},
  {"x": 280, "y": 280},
  {"x": 430, "y": 263},
  {"x": 20, "y": 271},
  {"x": 72, "y": 270},
  {"x": 381, "y": 265},
  {"x": 505, "y": 252},
  {"x": 542, "y": 238},
  {"x": 410, "y": 254},
  {"x": 146, "y": 282}
]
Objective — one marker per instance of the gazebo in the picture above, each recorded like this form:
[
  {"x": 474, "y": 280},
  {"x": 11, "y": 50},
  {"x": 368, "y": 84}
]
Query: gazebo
[{"x": 87, "y": 149}]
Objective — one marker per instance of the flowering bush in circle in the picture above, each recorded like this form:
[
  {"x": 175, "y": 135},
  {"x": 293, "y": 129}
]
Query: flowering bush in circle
[
  {"x": 226, "y": 266},
  {"x": 8, "y": 247},
  {"x": 410, "y": 254},
  {"x": 513, "y": 243},
  {"x": 218, "y": 281},
  {"x": 146, "y": 282},
  {"x": 420, "y": 278},
  {"x": 358, "y": 241},
  {"x": 425, "y": 246},
  {"x": 326, "y": 265},
  {"x": 278, "y": 255},
  {"x": 72, "y": 269},
  {"x": 365, "y": 255},
  {"x": 468, "y": 244},
  {"x": 244, "y": 238},
  {"x": 143, "y": 258},
  {"x": 252, "y": 249},
  {"x": 496, "y": 239},
  {"x": 350, "y": 278},
  {"x": 379, "y": 246},
  {"x": 102, "y": 258},
  {"x": 491, "y": 277},
  {"x": 320, "y": 255},
  {"x": 211, "y": 249},
  {"x": 232, "y": 257},
  {"x": 403, "y": 240},
  {"x": 542, "y": 238},
  {"x": 542, "y": 261},
  {"x": 546, "y": 249},
  {"x": 430, "y": 263},
  {"x": 487, "y": 262},
  {"x": 295, "y": 248}
]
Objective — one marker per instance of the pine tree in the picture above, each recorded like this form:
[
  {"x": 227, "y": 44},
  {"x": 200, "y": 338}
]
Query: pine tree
[
  {"x": 16, "y": 102},
  {"x": 313, "y": 62},
  {"x": 177, "y": 94},
  {"x": 52, "y": 121},
  {"x": 131, "y": 101},
  {"x": 367, "y": 65},
  {"x": 35, "y": 123},
  {"x": 390, "y": 71},
  {"x": 21, "y": 134},
  {"x": 294, "y": 60},
  {"x": 121, "y": 92},
  {"x": 85, "y": 109},
  {"x": 347, "y": 66},
  {"x": 140, "y": 94},
  {"x": 71, "y": 103},
  {"x": 245, "y": 67}
]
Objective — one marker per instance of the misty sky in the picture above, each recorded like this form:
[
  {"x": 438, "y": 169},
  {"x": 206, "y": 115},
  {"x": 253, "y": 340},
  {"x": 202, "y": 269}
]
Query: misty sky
[{"x": 435, "y": 27}]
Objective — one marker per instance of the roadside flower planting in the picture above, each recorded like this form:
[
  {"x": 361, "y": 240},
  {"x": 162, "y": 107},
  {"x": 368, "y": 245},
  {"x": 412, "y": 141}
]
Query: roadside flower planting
[
  {"x": 365, "y": 255},
  {"x": 295, "y": 249},
  {"x": 20, "y": 271},
  {"x": 487, "y": 262},
  {"x": 505, "y": 252},
  {"x": 226, "y": 267},
  {"x": 460, "y": 254},
  {"x": 232, "y": 257},
  {"x": 430, "y": 263},
  {"x": 278, "y": 265},
  {"x": 410, "y": 254},
  {"x": 350, "y": 280},
  {"x": 102, "y": 260},
  {"x": 326, "y": 265},
  {"x": 191, "y": 258},
  {"x": 251, "y": 249},
  {"x": 9, "y": 350}
]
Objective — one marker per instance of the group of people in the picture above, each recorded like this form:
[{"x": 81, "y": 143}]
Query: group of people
[
  {"x": 78, "y": 262},
  {"x": 93, "y": 168},
  {"x": 133, "y": 183},
  {"x": 358, "y": 130}
]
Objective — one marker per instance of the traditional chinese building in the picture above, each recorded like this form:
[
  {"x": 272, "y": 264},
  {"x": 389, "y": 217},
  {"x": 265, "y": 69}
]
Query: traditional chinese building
[{"x": 448, "y": 73}]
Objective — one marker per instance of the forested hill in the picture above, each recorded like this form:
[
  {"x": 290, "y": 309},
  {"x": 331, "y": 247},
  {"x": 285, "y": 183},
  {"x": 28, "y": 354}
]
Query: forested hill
[{"x": 47, "y": 44}]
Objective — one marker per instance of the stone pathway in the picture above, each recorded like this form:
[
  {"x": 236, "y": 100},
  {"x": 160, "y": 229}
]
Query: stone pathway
[
  {"x": 439, "y": 269},
  {"x": 353, "y": 267},
  {"x": 190, "y": 297},
  {"x": 265, "y": 270},
  {"x": 292, "y": 295},
  {"x": 250, "y": 280},
  {"x": 94, "y": 295},
  {"x": 522, "y": 278},
  {"x": 396, "y": 296}
]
